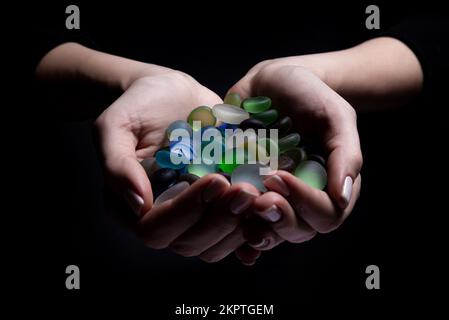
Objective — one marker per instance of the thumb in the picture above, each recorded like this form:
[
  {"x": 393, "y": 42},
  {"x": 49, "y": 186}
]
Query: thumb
[
  {"x": 124, "y": 174},
  {"x": 242, "y": 87},
  {"x": 344, "y": 165}
]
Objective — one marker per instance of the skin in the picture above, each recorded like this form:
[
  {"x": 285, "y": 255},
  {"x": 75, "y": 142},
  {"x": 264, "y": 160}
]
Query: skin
[{"x": 321, "y": 92}]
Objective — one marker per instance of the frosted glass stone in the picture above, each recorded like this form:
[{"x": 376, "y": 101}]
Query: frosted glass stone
[
  {"x": 179, "y": 124},
  {"x": 297, "y": 154},
  {"x": 267, "y": 117},
  {"x": 229, "y": 114},
  {"x": 312, "y": 173},
  {"x": 256, "y": 104},
  {"x": 201, "y": 170},
  {"x": 161, "y": 180},
  {"x": 289, "y": 142},
  {"x": 233, "y": 99},
  {"x": 203, "y": 114},
  {"x": 164, "y": 161},
  {"x": 283, "y": 126},
  {"x": 252, "y": 124},
  {"x": 171, "y": 192},
  {"x": 249, "y": 173},
  {"x": 286, "y": 163}
]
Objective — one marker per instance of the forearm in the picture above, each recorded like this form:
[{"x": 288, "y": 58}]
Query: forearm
[
  {"x": 380, "y": 73},
  {"x": 73, "y": 62}
]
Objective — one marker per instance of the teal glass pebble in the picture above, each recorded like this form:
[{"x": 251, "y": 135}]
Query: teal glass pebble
[
  {"x": 164, "y": 161},
  {"x": 288, "y": 142},
  {"x": 312, "y": 173},
  {"x": 267, "y": 117},
  {"x": 256, "y": 104},
  {"x": 203, "y": 114},
  {"x": 249, "y": 173},
  {"x": 283, "y": 126},
  {"x": 179, "y": 124},
  {"x": 233, "y": 98},
  {"x": 171, "y": 193},
  {"x": 229, "y": 114},
  {"x": 201, "y": 170}
]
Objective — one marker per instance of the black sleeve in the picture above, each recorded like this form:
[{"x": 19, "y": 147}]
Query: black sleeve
[{"x": 427, "y": 35}]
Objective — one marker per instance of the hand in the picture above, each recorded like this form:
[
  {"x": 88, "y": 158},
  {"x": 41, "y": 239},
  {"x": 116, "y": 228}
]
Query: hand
[
  {"x": 324, "y": 117},
  {"x": 199, "y": 220}
]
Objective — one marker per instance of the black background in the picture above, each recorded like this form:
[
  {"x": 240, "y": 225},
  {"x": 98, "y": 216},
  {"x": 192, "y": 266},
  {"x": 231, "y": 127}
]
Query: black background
[{"x": 396, "y": 224}]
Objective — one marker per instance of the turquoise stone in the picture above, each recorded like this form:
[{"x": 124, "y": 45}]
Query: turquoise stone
[
  {"x": 229, "y": 114},
  {"x": 288, "y": 142},
  {"x": 164, "y": 161},
  {"x": 267, "y": 117},
  {"x": 256, "y": 104},
  {"x": 312, "y": 173},
  {"x": 233, "y": 99},
  {"x": 203, "y": 114}
]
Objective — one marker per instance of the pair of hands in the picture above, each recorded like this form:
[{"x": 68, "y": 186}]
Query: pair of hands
[{"x": 212, "y": 219}]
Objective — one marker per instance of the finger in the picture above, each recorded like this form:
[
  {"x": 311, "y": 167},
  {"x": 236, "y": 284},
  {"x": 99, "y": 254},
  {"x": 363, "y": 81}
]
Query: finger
[
  {"x": 222, "y": 219},
  {"x": 259, "y": 233},
  {"x": 275, "y": 209},
  {"x": 123, "y": 171},
  {"x": 165, "y": 222},
  {"x": 345, "y": 159},
  {"x": 314, "y": 206},
  {"x": 247, "y": 255},
  {"x": 224, "y": 247}
]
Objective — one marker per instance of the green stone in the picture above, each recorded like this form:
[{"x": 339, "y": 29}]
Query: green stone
[
  {"x": 256, "y": 104},
  {"x": 203, "y": 114},
  {"x": 312, "y": 173},
  {"x": 267, "y": 117},
  {"x": 239, "y": 156},
  {"x": 201, "y": 170},
  {"x": 289, "y": 142},
  {"x": 233, "y": 98}
]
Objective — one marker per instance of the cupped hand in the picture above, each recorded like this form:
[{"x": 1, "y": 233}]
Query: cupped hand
[
  {"x": 324, "y": 117},
  {"x": 203, "y": 219}
]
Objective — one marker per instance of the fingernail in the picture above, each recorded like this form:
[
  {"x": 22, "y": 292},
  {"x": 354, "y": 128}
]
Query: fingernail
[
  {"x": 213, "y": 190},
  {"x": 241, "y": 201},
  {"x": 271, "y": 214},
  {"x": 347, "y": 191},
  {"x": 261, "y": 244},
  {"x": 135, "y": 201},
  {"x": 276, "y": 183}
]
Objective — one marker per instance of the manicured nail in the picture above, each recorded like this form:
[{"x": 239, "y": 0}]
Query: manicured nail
[
  {"x": 135, "y": 201},
  {"x": 241, "y": 201},
  {"x": 276, "y": 183},
  {"x": 347, "y": 191},
  {"x": 213, "y": 190},
  {"x": 271, "y": 214},
  {"x": 261, "y": 244}
]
